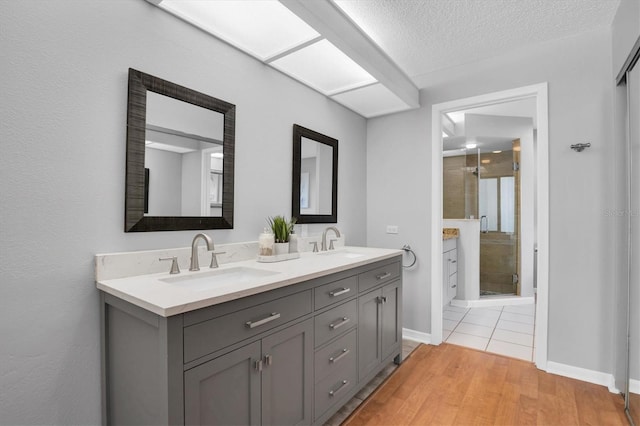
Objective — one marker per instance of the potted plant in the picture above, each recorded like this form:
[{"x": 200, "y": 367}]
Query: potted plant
[{"x": 281, "y": 228}]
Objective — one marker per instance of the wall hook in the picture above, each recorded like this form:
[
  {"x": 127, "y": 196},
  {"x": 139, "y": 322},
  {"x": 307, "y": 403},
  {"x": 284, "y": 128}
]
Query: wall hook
[{"x": 579, "y": 147}]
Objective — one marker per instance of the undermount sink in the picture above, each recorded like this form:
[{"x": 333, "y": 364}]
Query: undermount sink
[
  {"x": 346, "y": 253},
  {"x": 218, "y": 277}
]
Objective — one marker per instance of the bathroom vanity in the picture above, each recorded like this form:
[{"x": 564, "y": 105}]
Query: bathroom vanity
[
  {"x": 449, "y": 264},
  {"x": 286, "y": 343}
]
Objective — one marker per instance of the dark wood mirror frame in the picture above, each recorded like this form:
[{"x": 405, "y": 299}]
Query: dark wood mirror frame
[
  {"x": 298, "y": 133},
  {"x": 135, "y": 220}
]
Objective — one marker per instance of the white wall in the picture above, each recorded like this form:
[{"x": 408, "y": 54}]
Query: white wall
[
  {"x": 578, "y": 70},
  {"x": 62, "y": 169}
]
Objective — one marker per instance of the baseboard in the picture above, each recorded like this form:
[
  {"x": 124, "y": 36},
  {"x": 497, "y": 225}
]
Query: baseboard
[
  {"x": 634, "y": 386},
  {"x": 583, "y": 374},
  {"x": 416, "y": 336}
]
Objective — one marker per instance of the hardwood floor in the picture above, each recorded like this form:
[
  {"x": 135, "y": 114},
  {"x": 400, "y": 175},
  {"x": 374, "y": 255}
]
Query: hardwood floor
[{"x": 452, "y": 385}]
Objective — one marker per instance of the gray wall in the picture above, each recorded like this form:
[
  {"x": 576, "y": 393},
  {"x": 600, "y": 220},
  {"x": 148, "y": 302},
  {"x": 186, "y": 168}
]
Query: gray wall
[
  {"x": 63, "y": 109},
  {"x": 625, "y": 32},
  {"x": 578, "y": 70}
]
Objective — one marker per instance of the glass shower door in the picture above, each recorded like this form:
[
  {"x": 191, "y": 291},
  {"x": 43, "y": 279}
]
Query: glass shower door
[{"x": 498, "y": 209}]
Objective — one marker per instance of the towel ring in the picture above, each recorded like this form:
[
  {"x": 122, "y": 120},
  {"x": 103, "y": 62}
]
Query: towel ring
[{"x": 407, "y": 248}]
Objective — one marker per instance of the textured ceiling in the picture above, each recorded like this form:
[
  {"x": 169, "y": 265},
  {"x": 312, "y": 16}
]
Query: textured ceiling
[{"x": 423, "y": 36}]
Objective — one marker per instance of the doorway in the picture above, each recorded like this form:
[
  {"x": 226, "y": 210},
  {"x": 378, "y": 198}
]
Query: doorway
[{"x": 539, "y": 162}]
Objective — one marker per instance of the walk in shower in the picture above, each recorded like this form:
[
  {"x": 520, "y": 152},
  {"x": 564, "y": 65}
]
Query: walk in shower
[{"x": 482, "y": 183}]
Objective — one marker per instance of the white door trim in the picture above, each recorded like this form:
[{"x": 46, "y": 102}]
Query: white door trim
[{"x": 540, "y": 92}]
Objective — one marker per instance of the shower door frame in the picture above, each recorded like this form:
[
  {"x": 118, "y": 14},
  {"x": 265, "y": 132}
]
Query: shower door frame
[{"x": 541, "y": 152}]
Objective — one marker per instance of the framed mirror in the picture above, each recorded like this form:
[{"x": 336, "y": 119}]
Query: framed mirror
[
  {"x": 315, "y": 177},
  {"x": 180, "y": 158}
]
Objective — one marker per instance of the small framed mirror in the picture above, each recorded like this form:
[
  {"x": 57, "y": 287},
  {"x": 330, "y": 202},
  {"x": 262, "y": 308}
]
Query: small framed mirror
[
  {"x": 180, "y": 158},
  {"x": 315, "y": 177}
]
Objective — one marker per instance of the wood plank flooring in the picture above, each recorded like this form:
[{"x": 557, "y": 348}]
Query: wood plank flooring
[{"x": 452, "y": 385}]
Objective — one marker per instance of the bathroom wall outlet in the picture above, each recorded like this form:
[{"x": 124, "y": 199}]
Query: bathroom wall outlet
[{"x": 392, "y": 229}]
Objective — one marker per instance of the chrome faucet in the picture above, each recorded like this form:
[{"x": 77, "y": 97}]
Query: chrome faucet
[
  {"x": 195, "y": 265},
  {"x": 323, "y": 247}
]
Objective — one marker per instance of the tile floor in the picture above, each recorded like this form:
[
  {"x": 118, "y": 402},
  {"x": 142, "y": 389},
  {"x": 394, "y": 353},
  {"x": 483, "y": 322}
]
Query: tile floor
[{"x": 505, "y": 330}]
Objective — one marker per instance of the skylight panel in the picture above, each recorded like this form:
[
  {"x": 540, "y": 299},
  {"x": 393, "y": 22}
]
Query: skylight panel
[
  {"x": 325, "y": 68},
  {"x": 262, "y": 28}
]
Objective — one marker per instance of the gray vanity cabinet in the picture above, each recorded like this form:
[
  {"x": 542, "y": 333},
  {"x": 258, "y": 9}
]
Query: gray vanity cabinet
[
  {"x": 226, "y": 390},
  {"x": 266, "y": 382},
  {"x": 289, "y": 356},
  {"x": 379, "y": 318}
]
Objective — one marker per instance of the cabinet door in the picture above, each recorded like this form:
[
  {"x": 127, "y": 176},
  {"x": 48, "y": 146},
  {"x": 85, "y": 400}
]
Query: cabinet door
[
  {"x": 368, "y": 333},
  {"x": 287, "y": 376},
  {"x": 224, "y": 391},
  {"x": 391, "y": 333}
]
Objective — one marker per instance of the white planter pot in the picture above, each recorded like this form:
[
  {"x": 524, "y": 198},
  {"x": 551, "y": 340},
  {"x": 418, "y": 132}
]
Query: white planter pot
[{"x": 280, "y": 248}]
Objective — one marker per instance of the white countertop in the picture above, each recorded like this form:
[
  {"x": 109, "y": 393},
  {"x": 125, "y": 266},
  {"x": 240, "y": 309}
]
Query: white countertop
[{"x": 167, "y": 299}]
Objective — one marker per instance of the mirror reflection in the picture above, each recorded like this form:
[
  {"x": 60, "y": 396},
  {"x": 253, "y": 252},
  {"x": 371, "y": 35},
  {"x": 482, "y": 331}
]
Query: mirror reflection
[
  {"x": 316, "y": 170},
  {"x": 315, "y": 177},
  {"x": 183, "y": 158}
]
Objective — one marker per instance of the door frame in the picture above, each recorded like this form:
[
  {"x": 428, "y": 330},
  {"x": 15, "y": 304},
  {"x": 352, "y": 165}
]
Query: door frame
[{"x": 541, "y": 150}]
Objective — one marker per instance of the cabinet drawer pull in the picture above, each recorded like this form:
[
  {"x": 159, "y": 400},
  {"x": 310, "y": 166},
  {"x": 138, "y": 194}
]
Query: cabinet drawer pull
[
  {"x": 344, "y": 353},
  {"x": 258, "y": 365},
  {"x": 335, "y": 293},
  {"x": 454, "y": 261},
  {"x": 340, "y": 324},
  {"x": 343, "y": 385},
  {"x": 274, "y": 316},
  {"x": 454, "y": 286},
  {"x": 383, "y": 276}
]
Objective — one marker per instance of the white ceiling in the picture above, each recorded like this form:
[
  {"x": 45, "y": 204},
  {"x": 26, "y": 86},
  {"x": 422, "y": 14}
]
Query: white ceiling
[
  {"x": 429, "y": 35},
  {"x": 396, "y": 43}
]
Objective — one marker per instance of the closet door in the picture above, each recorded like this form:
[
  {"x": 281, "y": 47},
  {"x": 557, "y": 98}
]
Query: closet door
[{"x": 633, "y": 390}]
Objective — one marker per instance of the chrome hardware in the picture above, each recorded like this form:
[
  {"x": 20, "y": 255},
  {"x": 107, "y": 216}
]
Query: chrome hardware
[
  {"x": 340, "y": 324},
  {"x": 274, "y": 316},
  {"x": 344, "y": 353},
  {"x": 579, "y": 147},
  {"x": 214, "y": 259},
  {"x": 324, "y": 237},
  {"x": 454, "y": 261},
  {"x": 175, "y": 269},
  {"x": 331, "y": 243},
  {"x": 382, "y": 299},
  {"x": 315, "y": 246},
  {"x": 268, "y": 360},
  {"x": 383, "y": 276},
  {"x": 484, "y": 229},
  {"x": 344, "y": 384},
  {"x": 258, "y": 365},
  {"x": 195, "y": 265},
  {"x": 336, "y": 293},
  {"x": 454, "y": 286}
]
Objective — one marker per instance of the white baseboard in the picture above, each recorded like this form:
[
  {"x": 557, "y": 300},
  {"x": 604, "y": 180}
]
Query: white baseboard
[
  {"x": 634, "y": 386},
  {"x": 416, "y": 336},
  {"x": 583, "y": 374}
]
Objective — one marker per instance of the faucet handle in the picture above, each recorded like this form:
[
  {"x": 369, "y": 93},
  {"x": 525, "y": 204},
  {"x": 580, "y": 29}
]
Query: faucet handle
[
  {"x": 175, "y": 269},
  {"x": 331, "y": 244},
  {"x": 214, "y": 259},
  {"x": 315, "y": 246}
]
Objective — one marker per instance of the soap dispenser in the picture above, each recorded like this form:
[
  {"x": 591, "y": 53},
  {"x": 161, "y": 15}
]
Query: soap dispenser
[
  {"x": 293, "y": 242},
  {"x": 265, "y": 242}
]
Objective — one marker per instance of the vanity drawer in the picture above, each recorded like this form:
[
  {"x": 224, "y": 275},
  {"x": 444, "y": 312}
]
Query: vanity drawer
[
  {"x": 332, "y": 388},
  {"x": 335, "y": 321},
  {"x": 209, "y": 336},
  {"x": 380, "y": 275},
  {"x": 332, "y": 357},
  {"x": 453, "y": 261},
  {"x": 334, "y": 292}
]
